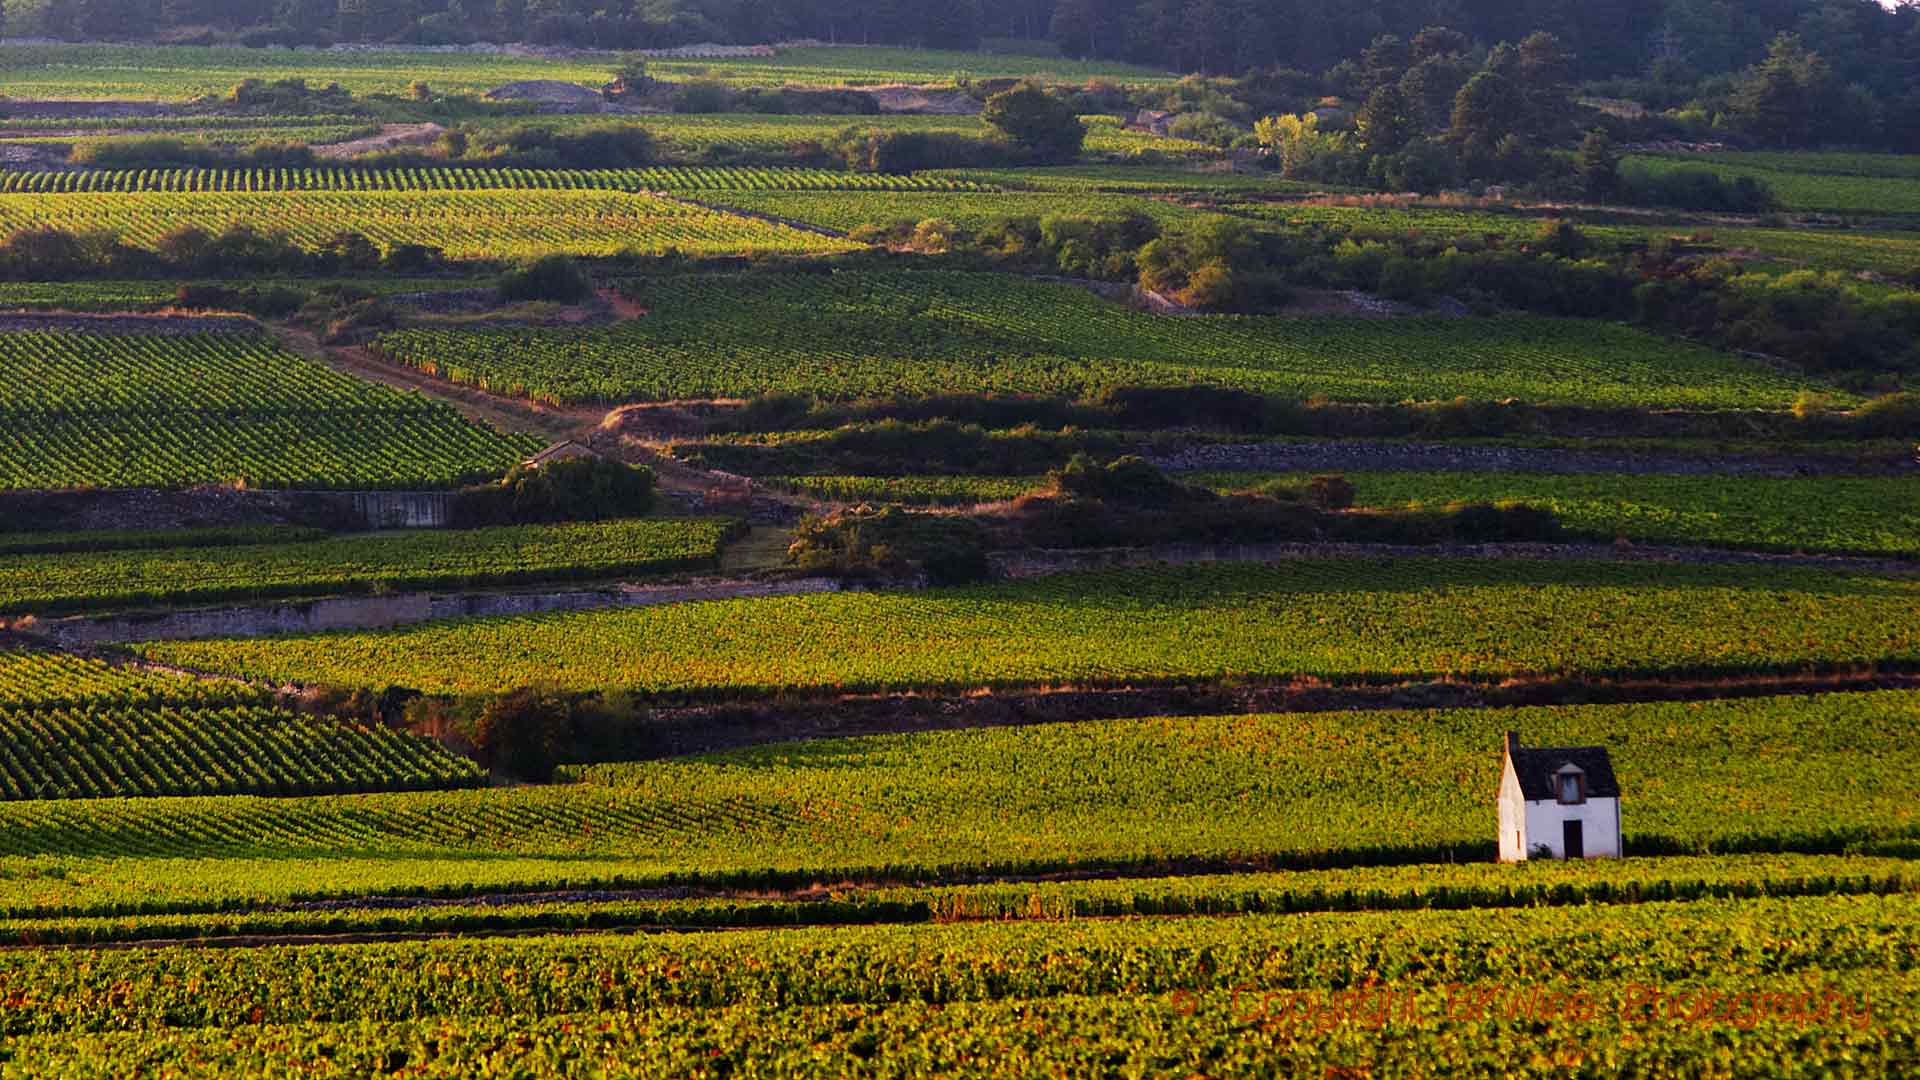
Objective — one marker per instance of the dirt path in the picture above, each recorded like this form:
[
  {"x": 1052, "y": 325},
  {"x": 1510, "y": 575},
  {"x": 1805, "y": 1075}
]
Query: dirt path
[
  {"x": 771, "y": 219},
  {"x": 391, "y": 136},
  {"x": 510, "y": 415}
]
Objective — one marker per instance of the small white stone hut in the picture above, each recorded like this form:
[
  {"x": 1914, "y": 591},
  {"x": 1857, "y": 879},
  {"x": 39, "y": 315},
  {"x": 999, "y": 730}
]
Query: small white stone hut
[{"x": 1558, "y": 803}]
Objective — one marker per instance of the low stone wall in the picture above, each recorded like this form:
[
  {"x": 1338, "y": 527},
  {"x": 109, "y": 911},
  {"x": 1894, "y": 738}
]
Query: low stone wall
[{"x": 403, "y": 509}]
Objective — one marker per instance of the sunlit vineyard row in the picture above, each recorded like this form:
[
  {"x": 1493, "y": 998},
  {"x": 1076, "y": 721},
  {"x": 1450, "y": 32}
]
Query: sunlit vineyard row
[
  {"x": 1395, "y": 888},
  {"x": 1837, "y": 959},
  {"x": 491, "y": 224},
  {"x": 92, "y": 72},
  {"x": 431, "y": 559},
  {"x": 1819, "y": 774},
  {"x": 119, "y": 410},
  {"x": 848, "y": 210},
  {"x": 131, "y": 181},
  {"x": 38, "y": 679},
  {"x": 1352, "y": 620},
  {"x": 894, "y": 335},
  {"x": 162, "y": 750}
]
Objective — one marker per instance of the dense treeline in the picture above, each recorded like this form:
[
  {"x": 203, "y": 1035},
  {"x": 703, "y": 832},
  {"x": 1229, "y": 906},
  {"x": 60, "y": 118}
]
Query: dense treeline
[
  {"x": 1866, "y": 42},
  {"x": 1781, "y": 72}
]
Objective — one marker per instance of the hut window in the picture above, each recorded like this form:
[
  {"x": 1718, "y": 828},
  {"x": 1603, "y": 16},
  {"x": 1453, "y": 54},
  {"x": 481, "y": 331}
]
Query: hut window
[{"x": 1571, "y": 789}]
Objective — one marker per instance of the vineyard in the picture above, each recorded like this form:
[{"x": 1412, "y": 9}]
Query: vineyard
[
  {"x": 178, "y": 73},
  {"x": 144, "y": 181},
  {"x": 1284, "y": 791},
  {"x": 1849, "y": 515},
  {"x": 1733, "y": 940},
  {"x": 121, "y": 410},
  {"x": 1345, "y": 621},
  {"x": 907, "y": 335},
  {"x": 1865, "y": 185},
  {"x": 31, "y": 679},
  {"x": 482, "y": 224},
  {"x": 1843, "y": 515},
  {"x": 848, "y": 210},
  {"x": 1888, "y": 252},
  {"x": 102, "y": 752},
  {"x": 417, "y": 560}
]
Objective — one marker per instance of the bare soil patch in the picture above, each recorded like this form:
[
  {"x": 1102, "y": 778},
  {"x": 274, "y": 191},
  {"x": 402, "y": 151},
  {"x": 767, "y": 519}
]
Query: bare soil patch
[{"x": 390, "y": 137}]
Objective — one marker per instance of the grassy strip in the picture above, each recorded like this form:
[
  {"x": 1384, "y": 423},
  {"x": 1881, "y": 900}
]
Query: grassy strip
[
  {"x": 1346, "y": 621},
  {"x": 361, "y": 564}
]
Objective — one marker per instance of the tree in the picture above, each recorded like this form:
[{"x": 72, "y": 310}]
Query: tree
[
  {"x": 1036, "y": 121},
  {"x": 1545, "y": 72},
  {"x": 1387, "y": 122},
  {"x": 1598, "y": 166},
  {"x": 1778, "y": 98},
  {"x": 1299, "y": 143},
  {"x": 1488, "y": 109},
  {"x": 1438, "y": 42}
]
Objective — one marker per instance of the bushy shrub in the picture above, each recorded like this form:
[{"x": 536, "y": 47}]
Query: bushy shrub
[
  {"x": 522, "y": 732},
  {"x": 580, "y": 489},
  {"x": 892, "y": 542},
  {"x": 554, "y": 277}
]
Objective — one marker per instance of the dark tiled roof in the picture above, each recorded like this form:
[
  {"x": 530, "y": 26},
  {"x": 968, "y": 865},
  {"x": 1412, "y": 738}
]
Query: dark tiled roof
[{"x": 1535, "y": 766}]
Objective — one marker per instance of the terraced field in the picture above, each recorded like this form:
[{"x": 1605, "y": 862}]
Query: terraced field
[
  {"x": 484, "y": 224},
  {"x": 1842, "y": 515},
  {"x": 1822, "y": 248},
  {"x": 1860, "y": 184},
  {"x": 906, "y": 335},
  {"x": 1342, "y": 621},
  {"x": 125, "y": 410},
  {"x": 1060, "y": 1000},
  {"x": 1807, "y": 774},
  {"x": 38, "y": 679},
  {"x": 664, "y": 178},
  {"x": 847, "y": 211},
  {"x": 420, "y": 560},
  {"x": 163, "y": 73}
]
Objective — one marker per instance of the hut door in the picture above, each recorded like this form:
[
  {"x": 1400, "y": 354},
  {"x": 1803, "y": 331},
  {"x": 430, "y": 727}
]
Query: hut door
[{"x": 1573, "y": 841}]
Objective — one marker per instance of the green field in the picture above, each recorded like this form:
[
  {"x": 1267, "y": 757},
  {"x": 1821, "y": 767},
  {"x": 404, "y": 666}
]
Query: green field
[
  {"x": 1802, "y": 980},
  {"x": 1886, "y": 252},
  {"x": 847, "y": 211},
  {"x": 482, "y": 224},
  {"x": 97, "y": 296},
  {"x": 1371, "y": 888},
  {"x": 145, "y": 73},
  {"x": 1843, "y": 515},
  {"x": 719, "y": 136},
  {"x": 1343, "y": 621},
  {"x": 663, "y": 178},
  {"x": 428, "y": 559},
  {"x": 126, "y": 410},
  {"x": 1856, "y": 184},
  {"x": 37, "y": 679},
  {"x": 905, "y": 335},
  {"x": 1848, "y": 515},
  {"x": 95, "y": 753},
  {"x": 1814, "y": 774}
]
